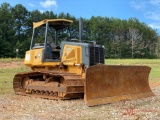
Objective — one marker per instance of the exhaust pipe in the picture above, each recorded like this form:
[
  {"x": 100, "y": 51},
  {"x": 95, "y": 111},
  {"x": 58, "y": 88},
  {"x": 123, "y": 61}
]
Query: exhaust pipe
[{"x": 80, "y": 29}]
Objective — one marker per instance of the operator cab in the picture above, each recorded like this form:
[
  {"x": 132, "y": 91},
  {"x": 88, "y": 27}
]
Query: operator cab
[{"x": 47, "y": 35}]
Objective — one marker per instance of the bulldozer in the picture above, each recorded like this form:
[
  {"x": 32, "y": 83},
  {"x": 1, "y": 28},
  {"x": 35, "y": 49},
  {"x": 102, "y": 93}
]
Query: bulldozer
[{"x": 70, "y": 68}]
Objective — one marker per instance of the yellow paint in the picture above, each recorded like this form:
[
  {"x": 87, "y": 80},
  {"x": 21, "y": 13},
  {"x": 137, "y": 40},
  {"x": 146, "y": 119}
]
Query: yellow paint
[
  {"x": 37, "y": 24},
  {"x": 72, "y": 54},
  {"x": 33, "y": 57},
  {"x": 71, "y": 58}
]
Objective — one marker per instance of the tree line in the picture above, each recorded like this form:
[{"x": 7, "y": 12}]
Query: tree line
[{"x": 121, "y": 38}]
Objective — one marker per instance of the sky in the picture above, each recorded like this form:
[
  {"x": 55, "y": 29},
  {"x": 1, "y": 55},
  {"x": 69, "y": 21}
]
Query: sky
[{"x": 147, "y": 11}]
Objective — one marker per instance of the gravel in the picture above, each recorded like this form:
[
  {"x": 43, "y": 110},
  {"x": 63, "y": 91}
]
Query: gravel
[{"x": 16, "y": 107}]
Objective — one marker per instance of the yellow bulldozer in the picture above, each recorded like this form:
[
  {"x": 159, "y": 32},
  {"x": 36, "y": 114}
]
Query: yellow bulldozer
[{"x": 65, "y": 69}]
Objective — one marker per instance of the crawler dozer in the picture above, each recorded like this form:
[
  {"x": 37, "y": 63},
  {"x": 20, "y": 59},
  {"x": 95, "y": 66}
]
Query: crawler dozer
[{"x": 69, "y": 68}]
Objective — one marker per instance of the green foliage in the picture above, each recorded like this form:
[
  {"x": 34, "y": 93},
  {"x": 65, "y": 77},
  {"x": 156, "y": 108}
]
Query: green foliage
[{"x": 121, "y": 38}]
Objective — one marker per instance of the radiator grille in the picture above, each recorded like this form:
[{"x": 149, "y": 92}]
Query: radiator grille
[{"x": 96, "y": 55}]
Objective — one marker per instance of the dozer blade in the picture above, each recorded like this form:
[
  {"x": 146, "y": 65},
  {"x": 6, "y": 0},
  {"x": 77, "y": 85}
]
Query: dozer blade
[{"x": 107, "y": 84}]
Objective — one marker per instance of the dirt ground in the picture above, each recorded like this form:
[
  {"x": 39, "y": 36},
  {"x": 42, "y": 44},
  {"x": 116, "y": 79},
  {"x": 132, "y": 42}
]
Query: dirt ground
[
  {"x": 16, "y": 107},
  {"x": 11, "y": 64}
]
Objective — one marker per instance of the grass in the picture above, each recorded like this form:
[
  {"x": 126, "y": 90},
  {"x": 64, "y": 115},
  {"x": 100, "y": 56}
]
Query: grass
[
  {"x": 8, "y": 60},
  {"x": 133, "y": 61},
  {"x": 7, "y": 74},
  {"x": 6, "y": 78}
]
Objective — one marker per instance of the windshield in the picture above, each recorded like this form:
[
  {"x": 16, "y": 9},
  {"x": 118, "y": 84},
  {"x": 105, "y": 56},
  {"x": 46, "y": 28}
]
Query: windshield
[{"x": 52, "y": 36}]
